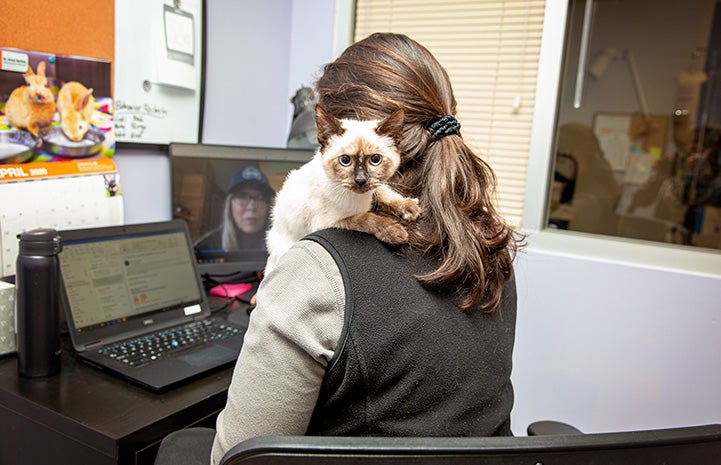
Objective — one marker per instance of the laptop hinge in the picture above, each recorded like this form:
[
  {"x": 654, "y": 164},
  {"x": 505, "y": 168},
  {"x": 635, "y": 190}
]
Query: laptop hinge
[
  {"x": 199, "y": 317},
  {"x": 93, "y": 345}
]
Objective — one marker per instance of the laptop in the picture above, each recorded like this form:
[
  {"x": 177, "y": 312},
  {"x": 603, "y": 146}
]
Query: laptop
[{"x": 135, "y": 305}]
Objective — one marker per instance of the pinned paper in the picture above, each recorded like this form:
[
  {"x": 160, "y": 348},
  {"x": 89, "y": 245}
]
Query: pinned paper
[{"x": 13, "y": 61}]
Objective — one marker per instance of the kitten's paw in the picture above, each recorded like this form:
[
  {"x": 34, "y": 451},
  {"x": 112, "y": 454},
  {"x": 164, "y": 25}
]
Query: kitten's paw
[
  {"x": 409, "y": 209},
  {"x": 393, "y": 234}
]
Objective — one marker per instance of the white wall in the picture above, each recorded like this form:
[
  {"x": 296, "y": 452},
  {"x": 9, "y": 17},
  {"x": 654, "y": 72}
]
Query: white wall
[
  {"x": 602, "y": 341},
  {"x": 311, "y": 45},
  {"x": 259, "y": 53},
  {"x": 248, "y": 63},
  {"x": 145, "y": 185},
  {"x": 608, "y": 346}
]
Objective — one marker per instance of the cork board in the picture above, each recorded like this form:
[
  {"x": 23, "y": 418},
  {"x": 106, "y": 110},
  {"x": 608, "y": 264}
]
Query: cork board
[{"x": 65, "y": 27}]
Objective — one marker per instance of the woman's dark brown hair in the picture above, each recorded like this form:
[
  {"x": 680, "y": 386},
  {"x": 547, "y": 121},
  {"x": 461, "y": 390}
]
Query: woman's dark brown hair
[{"x": 460, "y": 228}]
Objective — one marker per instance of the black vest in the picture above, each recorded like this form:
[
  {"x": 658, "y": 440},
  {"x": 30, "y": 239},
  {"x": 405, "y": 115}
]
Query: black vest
[{"x": 410, "y": 363}]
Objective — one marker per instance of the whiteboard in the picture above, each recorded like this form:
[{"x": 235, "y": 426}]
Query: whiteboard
[{"x": 158, "y": 70}]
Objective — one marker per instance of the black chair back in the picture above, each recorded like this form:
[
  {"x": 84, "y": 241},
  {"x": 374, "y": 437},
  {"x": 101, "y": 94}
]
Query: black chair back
[{"x": 696, "y": 445}]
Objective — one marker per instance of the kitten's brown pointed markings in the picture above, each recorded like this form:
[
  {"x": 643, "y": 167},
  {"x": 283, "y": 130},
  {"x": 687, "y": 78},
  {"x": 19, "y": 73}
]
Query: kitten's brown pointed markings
[
  {"x": 392, "y": 126},
  {"x": 384, "y": 228},
  {"x": 327, "y": 126}
]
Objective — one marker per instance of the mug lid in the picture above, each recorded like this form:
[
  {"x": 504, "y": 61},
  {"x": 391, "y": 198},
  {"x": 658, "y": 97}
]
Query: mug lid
[{"x": 41, "y": 241}]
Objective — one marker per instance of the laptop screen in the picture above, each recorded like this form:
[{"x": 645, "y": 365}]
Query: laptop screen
[
  {"x": 108, "y": 280},
  {"x": 126, "y": 278}
]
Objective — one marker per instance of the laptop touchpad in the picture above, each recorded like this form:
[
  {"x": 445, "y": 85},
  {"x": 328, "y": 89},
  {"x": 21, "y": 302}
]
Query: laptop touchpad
[{"x": 210, "y": 354}]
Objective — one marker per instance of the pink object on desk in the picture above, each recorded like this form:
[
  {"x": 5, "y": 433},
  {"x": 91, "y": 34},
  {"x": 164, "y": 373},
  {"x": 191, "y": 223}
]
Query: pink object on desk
[{"x": 231, "y": 290}]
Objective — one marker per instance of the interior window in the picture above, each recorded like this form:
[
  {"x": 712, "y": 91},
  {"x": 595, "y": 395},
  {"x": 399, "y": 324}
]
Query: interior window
[{"x": 638, "y": 140}]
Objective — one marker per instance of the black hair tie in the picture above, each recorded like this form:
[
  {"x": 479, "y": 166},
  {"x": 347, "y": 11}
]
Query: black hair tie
[{"x": 444, "y": 127}]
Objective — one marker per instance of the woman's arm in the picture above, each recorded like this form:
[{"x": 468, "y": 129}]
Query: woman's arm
[{"x": 291, "y": 338}]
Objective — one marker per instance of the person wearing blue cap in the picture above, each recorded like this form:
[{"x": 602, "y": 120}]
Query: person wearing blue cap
[{"x": 246, "y": 213}]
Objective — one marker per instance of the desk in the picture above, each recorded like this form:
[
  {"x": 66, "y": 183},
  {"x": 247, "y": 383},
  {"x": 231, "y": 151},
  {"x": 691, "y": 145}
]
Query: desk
[{"x": 82, "y": 416}]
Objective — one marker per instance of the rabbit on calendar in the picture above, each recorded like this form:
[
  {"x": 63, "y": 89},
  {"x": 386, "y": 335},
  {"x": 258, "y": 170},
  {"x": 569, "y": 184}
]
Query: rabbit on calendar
[{"x": 32, "y": 106}]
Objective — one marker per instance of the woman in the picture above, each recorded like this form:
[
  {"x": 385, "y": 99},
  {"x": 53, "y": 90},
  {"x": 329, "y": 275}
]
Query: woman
[
  {"x": 351, "y": 337},
  {"x": 245, "y": 213}
]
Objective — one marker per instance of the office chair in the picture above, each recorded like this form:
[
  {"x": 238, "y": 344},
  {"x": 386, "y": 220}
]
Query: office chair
[{"x": 697, "y": 445}]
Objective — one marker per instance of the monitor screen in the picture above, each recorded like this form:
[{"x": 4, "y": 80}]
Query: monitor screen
[{"x": 225, "y": 194}]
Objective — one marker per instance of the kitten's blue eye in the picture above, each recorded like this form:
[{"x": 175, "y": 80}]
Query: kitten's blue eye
[
  {"x": 376, "y": 159},
  {"x": 345, "y": 160}
]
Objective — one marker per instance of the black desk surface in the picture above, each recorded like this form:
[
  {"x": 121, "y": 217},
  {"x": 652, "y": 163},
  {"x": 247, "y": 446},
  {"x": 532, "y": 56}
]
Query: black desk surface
[{"x": 84, "y": 416}]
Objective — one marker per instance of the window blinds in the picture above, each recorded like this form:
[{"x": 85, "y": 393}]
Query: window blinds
[{"x": 490, "y": 49}]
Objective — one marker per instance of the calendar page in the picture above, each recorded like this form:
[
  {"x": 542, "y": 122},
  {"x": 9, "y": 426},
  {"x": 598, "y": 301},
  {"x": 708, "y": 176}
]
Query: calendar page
[{"x": 59, "y": 195}]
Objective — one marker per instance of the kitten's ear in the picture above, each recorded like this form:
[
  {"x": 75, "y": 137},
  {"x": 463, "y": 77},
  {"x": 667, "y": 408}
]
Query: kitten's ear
[
  {"x": 326, "y": 125},
  {"x": 392, "y": 126}
]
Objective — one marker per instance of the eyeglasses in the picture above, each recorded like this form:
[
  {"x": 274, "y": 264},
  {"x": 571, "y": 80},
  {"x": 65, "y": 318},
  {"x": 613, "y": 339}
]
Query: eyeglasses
[{"x": 242, "y": 199}]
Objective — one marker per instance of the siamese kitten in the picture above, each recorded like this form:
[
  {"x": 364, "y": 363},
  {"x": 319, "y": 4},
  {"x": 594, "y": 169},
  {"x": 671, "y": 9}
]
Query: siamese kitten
[{"x": 340, "y": 184}]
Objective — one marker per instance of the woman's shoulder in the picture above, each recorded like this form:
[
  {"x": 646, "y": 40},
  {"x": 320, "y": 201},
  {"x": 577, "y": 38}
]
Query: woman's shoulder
[
  {"x": 312, "y": 265},
  {"x": 304, "y": 297}
]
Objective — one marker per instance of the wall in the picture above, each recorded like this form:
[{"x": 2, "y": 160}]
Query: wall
[
  {"x": 610, "y": 346},
  {"x": 259, "y": 53},
  {"x": 310, "y": 47},
  {"x": 248, "y": 63},
  {"x": 145, "y": 183}
]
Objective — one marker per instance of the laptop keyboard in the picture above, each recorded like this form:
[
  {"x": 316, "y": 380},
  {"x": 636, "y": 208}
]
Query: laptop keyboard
[{"x": 148, "y": 348}]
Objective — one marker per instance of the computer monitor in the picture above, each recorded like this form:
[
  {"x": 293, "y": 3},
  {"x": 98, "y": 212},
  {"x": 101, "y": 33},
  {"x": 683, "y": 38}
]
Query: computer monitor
[{"x": 225, "y": 194}]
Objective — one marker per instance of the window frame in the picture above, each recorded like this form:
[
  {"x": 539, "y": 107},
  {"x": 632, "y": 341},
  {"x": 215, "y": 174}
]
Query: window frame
[{"x": 652, "y": 255}]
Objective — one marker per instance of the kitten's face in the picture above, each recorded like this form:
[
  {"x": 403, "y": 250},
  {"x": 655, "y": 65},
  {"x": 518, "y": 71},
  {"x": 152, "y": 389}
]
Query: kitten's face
[{"x": 359, "y": 155}]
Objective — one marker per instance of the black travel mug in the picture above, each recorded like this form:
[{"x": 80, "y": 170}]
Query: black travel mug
[{"x": 36, "y": 303}]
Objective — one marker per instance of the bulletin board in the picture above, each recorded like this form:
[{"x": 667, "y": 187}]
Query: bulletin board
[
  {"x": 158, "y": 70},
  {"x": 82, "y": 27}
]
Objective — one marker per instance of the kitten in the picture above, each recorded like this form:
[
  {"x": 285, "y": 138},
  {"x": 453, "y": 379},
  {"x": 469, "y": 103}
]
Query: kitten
[{"x": 340, "y": 184}]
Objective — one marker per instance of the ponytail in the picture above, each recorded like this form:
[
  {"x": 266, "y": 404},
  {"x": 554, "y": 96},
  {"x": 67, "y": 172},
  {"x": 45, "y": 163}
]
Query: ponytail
[{"x": 460, "y": 227}]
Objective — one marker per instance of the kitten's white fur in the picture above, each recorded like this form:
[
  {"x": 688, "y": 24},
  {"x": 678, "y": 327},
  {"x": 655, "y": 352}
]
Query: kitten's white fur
[{"x": 310, "y": 200}]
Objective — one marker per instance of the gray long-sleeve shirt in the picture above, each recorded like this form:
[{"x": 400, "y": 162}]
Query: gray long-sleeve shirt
[{"x": 294, "y": 331}]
